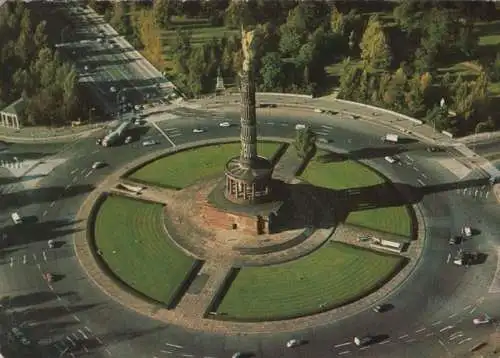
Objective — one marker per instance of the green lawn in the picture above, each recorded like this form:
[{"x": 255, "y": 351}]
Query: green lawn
[
  {"x": 350, "y": 174},
  {"x": 130, "y": 236},
  {"x": 333, "y": 275},
  {"x": 182, "y": 169}
]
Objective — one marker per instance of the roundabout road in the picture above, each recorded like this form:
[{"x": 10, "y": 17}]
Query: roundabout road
[{"x": 433, "y": 309}]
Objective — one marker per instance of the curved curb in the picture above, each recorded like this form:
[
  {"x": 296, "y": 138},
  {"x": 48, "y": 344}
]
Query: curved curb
[
  {"x": 87, "y": 260},
  {"x": 52, "y": 139}
]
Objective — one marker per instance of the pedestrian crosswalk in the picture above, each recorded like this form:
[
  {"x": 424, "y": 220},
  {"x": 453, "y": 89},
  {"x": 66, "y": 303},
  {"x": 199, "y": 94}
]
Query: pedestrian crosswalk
[
  {"x": 36, "y": 258},
  {"x": 81, "y": 340},
  {"x": 12, "y": 164},
  {"x": 480, "y": 192}
]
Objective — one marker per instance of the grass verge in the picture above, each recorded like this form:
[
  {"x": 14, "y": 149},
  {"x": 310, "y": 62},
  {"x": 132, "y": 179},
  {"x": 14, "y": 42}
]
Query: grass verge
[
  {"x": 334, "y": 275},
  {"x": 130, "y": 235},
  {"x": 185, "y": 168},
  {"x": 349, "y": 174}
]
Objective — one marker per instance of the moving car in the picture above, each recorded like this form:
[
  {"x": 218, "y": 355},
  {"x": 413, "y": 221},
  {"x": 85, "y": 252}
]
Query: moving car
[
  {"x": 128, "y": 140},
  {"x": 300, "y": 126},
  {"x": 363, "y": 341},
  {"x": 98, "y": 165},
  {"x": 467, "y": 231},
  {"x": 293, "y": 343},
  {"x": 51, "y": 244},
  {"x": 198, "y": 130},
  {"x": 390, "y": 159},
  {"x": 317, "y": 110},
  {"x": 147, "y": 143},
  {"x": 455, "y": 240},
  {"x": 49, "y": 277},
  {"x": 16, "y": 218},
  {"x": 390, "y": 138},
  {"x": 224, "y": 124},
  {"x": 485, "y": 319},
  {"x": 323, "y": 140}
]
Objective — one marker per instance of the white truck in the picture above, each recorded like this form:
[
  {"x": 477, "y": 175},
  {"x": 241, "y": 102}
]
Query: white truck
[{"x": 390, "y": 138}]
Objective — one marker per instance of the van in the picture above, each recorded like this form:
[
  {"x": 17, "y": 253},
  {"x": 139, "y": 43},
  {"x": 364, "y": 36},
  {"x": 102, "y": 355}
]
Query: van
[{"x": 16, "y": 218}]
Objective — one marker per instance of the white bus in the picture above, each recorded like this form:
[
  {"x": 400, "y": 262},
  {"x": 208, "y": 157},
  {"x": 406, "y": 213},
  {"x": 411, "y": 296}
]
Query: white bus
[{"x": 16, "y": 218}]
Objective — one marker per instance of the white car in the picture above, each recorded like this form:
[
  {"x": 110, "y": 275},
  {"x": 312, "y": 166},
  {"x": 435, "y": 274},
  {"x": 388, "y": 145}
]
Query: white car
[
  {"x": 112, "y": 89},
  {"x": 482, "y": 320},
  {"x": 198, "y": 130},
  {"x": 293, "y": 343},
  {"x": 98, "y": 165},
  {"x": 51, "y": 244},
  {"x": 224, "y": 124},
  {"x": 363, "y": 341},
  {"x": 317, "y": 110},
  {"x": 147, "y": 143},
  {"x": 300, "y": 126},
  {"x": 391, "y": 160},
  {"x": 128, "y": 139}
]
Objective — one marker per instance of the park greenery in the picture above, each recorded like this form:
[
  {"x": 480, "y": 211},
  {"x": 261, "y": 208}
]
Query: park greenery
[
  {"x": 332, "y": 276},
  {"x": 305, "y": 142},
  {"x": 182, "y": 169},
  {"x": 32, "y": 70},
  {"x": 401, "y": 55},
  {"x": 349, "y": 174},
  {"x": 129, "y": 237}
]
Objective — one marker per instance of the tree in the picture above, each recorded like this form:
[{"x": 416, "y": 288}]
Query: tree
[
  {"x": 415, "y": 97},
  {"x": 348, "y": 81},
  {"x": 438, "y": 118},
  {"x": 305, "y": 142},
  {"x": 337, "y": 21},
  {"x": 120, "y": 19},
  {"x": 150, "y": 36},
  {"x": 375, "y": 51},
  {"x": 161, "y": 10},
  {"x": 271, "y": 72},
  {"x": 290, "y": 41},
  {"x": 408, "y": 16}
]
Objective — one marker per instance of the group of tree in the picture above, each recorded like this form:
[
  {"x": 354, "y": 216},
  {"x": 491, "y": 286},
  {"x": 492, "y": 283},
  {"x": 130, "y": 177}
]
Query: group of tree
[
  {"x": 33, "y": 71},
  {"x": 388, "y": 63},
  {"x": 427, "y": 36}
]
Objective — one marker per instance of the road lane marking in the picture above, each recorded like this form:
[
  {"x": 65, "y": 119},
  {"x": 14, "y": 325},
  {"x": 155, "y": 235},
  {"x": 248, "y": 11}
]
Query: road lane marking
[
  {"x": 11, "y": 261},
  {"x": 342, "y": 344},
  {"x": 83, "y": 334},
  {"x": 429, "y": 334},
  {"x": 421, "y": 182},
  {"x": 166, "y": 352},
  {"x": 44, "y": 255},
  {"x": 73, "y": 171},
  {"x": 87, "y": 175},
  {"x": 364, "y": 348},
  {"x": 187, "y": 355},
  {"x": 59, "y": 298},
  {"x": 83, "y": 171},
  {"x": 34, "y": 257},
  {"x": 99, "y": 340},
  {"x": 45, "y": 213},
  {"x": 163, "y": 133},
  {"x": 76, "y": 318},
  {"x": 455, "y": 337},
  {"x": 67, "y": 187},
  {"x": 71, "y": 341},
  {"x": 436, "y": 323},
  {"x": 344, "y": 352},
  {"x": 386, "y": 341},
  {"x": 85, "y": 348},
  {"x": 465, "y": 340},
  {"x": 90, "y": 331},
  {"x": 403, "y": 336},
  {"x": 75, "y": 336},
  {"x": 411, "y": 340},
  {"x": 467, "y": 307},
  {"x": 423, "y": 175},
  {"x": 445, "y": 328},
  {"x": 24, "y": 259},
  {"x": 452, "y": 315},
  {"x": 420, "y": 330},
  {"x": 415, "y": 168},
  {"x": 486, "y": 196},
  {"x": 473, "y": 310},
  {"x": 95, "y": 151},
  {"x": 107, "y": 351},
  {"x": 174, "y": 345},
  {"x": 75, "y": 179},
  {"x": 327, "y": 127},
  {"x": 52, "y": 204}
]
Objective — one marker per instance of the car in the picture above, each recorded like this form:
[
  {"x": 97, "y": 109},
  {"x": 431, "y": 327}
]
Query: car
[
  {"x": 51, "y": 244},
  {"x": 485, "y": 319},
  {"x": 48, "y": 277},
  {"x": 128, "y": 139},
  {"x": 137, "y": 107},
  {"x": 112, "y": 89},
  {"x": 323, "y": 140},
  {"x": 377, "y": 308},
  {"x": 138, "y": 122},
  {"x": 455, "y": 240},
  {"x": 293, "y": 343},
  {"x": 390, "y": 159},
  {"x": 99, "y": 141},
  {"x": 363, "y": 341},
  {"x": 300, "y": 126},
  {"x": 86, "y": 68},
  {"x": 98, "y": 165},
  {"x": 317, "y": 110},
  {"x": 433, "y": 149},
  {"x": 198, "y": 130},
  {"x": 467, "y": 231},
  {"x": 147, "y": 143},
  {"x": 99, "y": 39},
  {"x": 224, "y": 124}
]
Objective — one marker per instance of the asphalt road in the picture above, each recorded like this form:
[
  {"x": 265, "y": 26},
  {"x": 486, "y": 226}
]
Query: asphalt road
[{"x": 432, "y": 312}]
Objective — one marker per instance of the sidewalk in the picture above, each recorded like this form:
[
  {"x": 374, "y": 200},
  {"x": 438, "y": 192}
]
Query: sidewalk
[{"x": 47, "y": 135}]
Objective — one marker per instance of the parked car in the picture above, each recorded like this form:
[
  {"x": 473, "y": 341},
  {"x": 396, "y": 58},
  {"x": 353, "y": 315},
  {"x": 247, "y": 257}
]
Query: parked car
[
  {"x": 198, "y": 130},
  {"x": 225, "y": 124},
  {"x": 51, "y": 244},
  {"x": 485, "y": 319},
  {"x": 128, "y": 139},
  {"x": 293, "y": 343},
  {"x": 363, "y": 341},
  {"x": 390, "y": 159},
  {"x": 300, "y": 126}
]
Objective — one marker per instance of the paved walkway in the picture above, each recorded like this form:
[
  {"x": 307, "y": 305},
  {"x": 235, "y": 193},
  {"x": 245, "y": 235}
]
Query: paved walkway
[{"x": 288, "y": 165}]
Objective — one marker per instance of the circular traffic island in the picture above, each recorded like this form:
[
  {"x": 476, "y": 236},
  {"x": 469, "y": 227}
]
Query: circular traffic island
[{"x": 334, "y": 235}]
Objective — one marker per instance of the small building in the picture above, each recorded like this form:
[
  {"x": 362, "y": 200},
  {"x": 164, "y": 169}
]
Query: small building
[{"x": 10, "y": 115}]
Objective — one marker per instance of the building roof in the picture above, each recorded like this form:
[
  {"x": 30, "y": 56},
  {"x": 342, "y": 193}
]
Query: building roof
[{"x": 15, "y": 107}]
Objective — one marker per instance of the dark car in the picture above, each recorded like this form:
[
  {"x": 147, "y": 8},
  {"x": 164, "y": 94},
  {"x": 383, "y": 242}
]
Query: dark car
[
  {"x": 455, "y": 240},
  {"x": 434, "y": 149}
]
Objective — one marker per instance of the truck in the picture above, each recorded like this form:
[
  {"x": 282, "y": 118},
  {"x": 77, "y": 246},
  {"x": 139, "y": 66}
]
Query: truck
[
  {"x": 115, "y": 135},
  {"x": 390, "y": 138}
]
